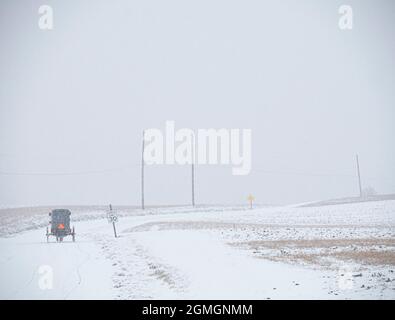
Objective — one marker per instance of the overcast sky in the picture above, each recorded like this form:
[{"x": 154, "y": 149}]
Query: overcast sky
[{"x": 74, "y": 100}]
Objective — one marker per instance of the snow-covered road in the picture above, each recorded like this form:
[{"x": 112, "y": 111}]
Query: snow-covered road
[
  {"x": 171, "y": 264},
  {"x": 78, "y": 270},
  {"x": 205, "y": 268},
  {"x": 186, "y": 256}
]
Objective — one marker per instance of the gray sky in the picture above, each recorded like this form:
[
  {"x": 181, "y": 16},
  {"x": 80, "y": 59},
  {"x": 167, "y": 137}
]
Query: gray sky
[{"x": 74, "y": 100}]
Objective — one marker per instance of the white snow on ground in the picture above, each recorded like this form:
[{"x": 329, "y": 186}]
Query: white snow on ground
[
  {"x": 79, "y": 270},
  {"x": 342, "y": 251},
  {"x": 204, "y": 268}
]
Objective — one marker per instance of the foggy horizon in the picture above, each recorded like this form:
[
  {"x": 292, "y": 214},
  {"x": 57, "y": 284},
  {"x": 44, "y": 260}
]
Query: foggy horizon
[{"x": 75, "y": 100}]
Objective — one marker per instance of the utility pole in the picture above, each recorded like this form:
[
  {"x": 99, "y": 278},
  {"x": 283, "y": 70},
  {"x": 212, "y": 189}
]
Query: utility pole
[
  {"x": 193, "y": 169},
  {"x": 112, "y": 218},
  {"x": 359, "y": 177},
  {"x": 193, "y": 184},
  {"x": 142, "y": 172}
]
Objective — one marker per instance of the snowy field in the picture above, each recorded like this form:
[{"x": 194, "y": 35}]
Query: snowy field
[{"x": 340, "y": 250}]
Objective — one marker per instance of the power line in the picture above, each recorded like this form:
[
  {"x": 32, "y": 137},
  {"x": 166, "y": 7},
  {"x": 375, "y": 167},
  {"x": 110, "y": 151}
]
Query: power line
[
  {"x": 255, "y": 170},
  {"x": 318, "y": 174},
  {"x": 301, "y": 173},
  {"x": 72, "y": 173}
]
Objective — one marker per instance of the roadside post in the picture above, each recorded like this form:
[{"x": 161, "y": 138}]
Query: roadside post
[{"x": 112, "y": 217}]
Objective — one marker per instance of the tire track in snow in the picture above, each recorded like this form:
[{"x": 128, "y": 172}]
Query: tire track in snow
[{"x": 77, "y": 270}]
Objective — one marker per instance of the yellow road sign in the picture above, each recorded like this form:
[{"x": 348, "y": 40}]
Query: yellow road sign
[{"x": 250, "y": 198}]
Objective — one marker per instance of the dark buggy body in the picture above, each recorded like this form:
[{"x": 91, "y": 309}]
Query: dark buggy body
[{"x": 59, "y": 225}]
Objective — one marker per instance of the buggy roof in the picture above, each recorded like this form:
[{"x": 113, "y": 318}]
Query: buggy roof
[{"x": 61, "y": 212}]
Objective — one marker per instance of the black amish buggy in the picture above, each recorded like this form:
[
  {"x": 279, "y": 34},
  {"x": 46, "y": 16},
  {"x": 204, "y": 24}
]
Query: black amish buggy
[{"x": 60, "y": 225}]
